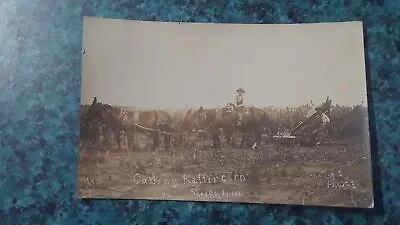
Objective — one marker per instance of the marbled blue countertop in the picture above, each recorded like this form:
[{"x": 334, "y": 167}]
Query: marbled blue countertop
[{"x": 40, "y": 53}]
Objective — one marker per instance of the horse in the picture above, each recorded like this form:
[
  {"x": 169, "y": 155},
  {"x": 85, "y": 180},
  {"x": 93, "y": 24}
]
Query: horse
[
  {"x": 184, "y": 128},
  {"x": 99, "y": 119},
  {"x": 188, "y": 127},
  {"x": 254, "y": 121},
  {"x": 94, "y": 127},
  {"x": 87, "y": 134},
  {"x": 154, "y": 123},
  {"x": 90, "y": 125}
]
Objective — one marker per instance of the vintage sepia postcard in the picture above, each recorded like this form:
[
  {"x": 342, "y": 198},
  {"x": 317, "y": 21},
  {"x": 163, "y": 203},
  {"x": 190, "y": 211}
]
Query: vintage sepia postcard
[{"x": 253, "y": 113}]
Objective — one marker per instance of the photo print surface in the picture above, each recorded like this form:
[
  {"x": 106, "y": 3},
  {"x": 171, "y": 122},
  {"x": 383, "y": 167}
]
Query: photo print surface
[{"x": 256, "y": 113}]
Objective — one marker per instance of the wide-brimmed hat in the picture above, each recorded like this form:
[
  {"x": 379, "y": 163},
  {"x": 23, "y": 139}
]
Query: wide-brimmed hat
[{"x": 240, "y": 90}]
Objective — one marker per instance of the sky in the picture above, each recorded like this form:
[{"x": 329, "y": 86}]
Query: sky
[{"x": 161, "y": 65}]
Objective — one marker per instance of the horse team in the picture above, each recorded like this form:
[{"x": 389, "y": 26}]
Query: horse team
[{"x": 99, "y": 118}]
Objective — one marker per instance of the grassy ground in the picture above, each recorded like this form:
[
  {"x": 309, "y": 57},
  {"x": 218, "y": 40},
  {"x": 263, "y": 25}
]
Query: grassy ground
[{"x": 337, "y": 175}]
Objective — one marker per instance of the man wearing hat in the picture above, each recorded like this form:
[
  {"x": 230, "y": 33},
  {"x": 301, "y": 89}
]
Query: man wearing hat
[
  {"x": 239, "y": 105},
  {"x": 94, "y": 100},
  {"x": 323, "y": 123}
]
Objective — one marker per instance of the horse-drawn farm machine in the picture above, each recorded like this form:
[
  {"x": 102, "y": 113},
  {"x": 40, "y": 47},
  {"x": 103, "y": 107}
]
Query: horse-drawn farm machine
[{"x": 307, "y": 131}]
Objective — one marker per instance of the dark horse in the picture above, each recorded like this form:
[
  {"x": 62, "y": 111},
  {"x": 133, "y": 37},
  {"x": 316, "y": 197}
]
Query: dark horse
[
  {"x": 89, "y": 127},
  {"x": 101, "y": 118},
  {"x": 189, "y": 127},
  {"x": 154, "y": 123},
  {"x": 254, "y": 121}
]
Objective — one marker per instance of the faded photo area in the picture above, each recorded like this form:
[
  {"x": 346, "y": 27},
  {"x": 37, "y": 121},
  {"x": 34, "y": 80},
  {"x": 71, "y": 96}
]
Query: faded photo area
[{"x": 255, "y": 113}]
